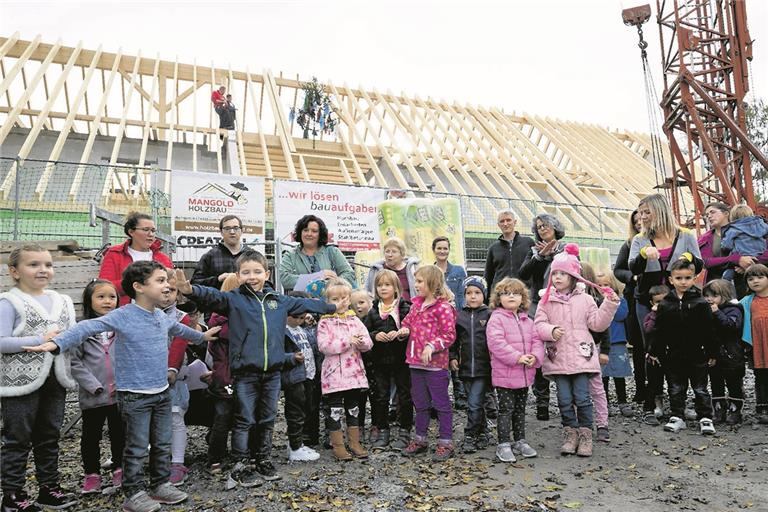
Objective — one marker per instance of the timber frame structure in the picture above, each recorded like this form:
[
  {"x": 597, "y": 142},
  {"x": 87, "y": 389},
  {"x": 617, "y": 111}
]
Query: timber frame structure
[{"x": 383, "y": 139}]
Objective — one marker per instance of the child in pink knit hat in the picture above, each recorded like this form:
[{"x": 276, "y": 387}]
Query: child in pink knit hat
[{"x": 563, "y": 320}]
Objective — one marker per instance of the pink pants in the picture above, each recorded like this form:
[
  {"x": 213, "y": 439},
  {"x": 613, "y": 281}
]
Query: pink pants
[{"x": 599, "y": 400}]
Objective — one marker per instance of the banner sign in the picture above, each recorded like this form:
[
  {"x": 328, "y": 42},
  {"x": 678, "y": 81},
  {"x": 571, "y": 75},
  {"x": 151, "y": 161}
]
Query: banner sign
[
  {"x": 349, "y": 213},
  {"x": 200, "y": 199}
]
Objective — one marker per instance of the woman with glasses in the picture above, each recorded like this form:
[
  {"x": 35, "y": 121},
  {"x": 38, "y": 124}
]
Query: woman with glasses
[
  {"x": 312, "y": 255},
  {"x": 219, "y": 263},
  {"x": 142, "y": 245},
  {"x": 548, "y": 232}
]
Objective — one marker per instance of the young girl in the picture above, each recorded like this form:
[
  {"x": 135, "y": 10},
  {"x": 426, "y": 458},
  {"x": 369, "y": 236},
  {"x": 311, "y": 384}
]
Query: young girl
[
  {"x": 618, "y": 365},
  {"x": 32, "y": 385},
  {"x": 516, "y": 351},
  {"x": 731, "y": 356},
  {"x": 342, "y": 337},
  {"x": 431, "y": 324},
  {"x": 388, "y": 360},
  {"x": 564, "y": 319},
  {"x": 756, "y": 334},
  {"x": 93, "y": 365}
]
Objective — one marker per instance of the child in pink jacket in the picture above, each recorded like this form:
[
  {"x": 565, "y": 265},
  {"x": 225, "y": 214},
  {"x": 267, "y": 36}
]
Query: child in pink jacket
[
  {"x": 516, "y": 351},
  {"x": 431, "y": 324},
  {"x": 564, "y": 318},
  {"x": 342, "y": 337}
]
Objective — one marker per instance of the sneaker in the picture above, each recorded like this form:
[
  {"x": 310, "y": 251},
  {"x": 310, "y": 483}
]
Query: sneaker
[
  {"x": 690, "y": 414},
  {"x": 117, "y": 478},
  {"x": 140, "y": 502},
  {"x": 521, "y": 447},
  {"x": 19, "y": 501},
  {"x": 55, "y": 498},
  {"x": 178, "y": 474},
  {"x": 91, "y": 484},
  {"x": 542, "y": 412},
  {"x": 267, "y": 470},
  {"x": 302, "y": 454},
  {"x": 167, "y": 494},
  {"x": 649, "y": 418},
  {"x": 414, "y": 448},
  {"x": 504, "y": 453},
  {"x": 469, "y": 445},
  {"x": 626, "y": 410},
  {"x": 674, "y": 425},
  {"x": 245, "y": 475},
  {"x": 603, "y": 435},
  {"x": 443, "y": 452},
  {"x": 483, "y": 441},
  {"x": 402, "y": 441},
  {"x": 215, "y": 468},
  {"x": 707, "y": 427}
]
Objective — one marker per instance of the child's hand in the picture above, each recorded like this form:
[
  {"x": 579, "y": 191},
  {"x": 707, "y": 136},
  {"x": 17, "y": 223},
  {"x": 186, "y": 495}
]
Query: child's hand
[
  {"x": 426, "y": 354},
  {"x": 403, "y": 332},
  {"x": 343, "y": 305},
  {"x": 182, "y": 284},
  {"x": 171, "y": 377},
  {"x": 383, "y": 337},
  {"x": 357, "y": 341},
  {"x": 653, "y": 360},
  {"x": 207, "y": 377},
  {"x": 557, "y": 333},
  {"x": 211, "y": 333},
  {"x": 525, "y": 360},
  {"x": 48, "y": 346},
  {"x": 392, "y": 335},
  {"x": 454, "y": 365},
  {"x": 713, "y": 307},
  {"x": 609, "y": 294},
  {"x": 51, "y": 334},
  {"x": 298, "y": 357},
  {"x": 603, "y": 358},
  {"x": 655, "y": 307},
  {"x": 711, "y": 362}
]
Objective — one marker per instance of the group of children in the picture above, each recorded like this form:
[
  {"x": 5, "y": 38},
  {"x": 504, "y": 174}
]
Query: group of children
[{"x": 398, "y": 352}]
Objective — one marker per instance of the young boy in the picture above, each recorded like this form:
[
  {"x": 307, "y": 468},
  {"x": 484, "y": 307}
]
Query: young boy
[
  {"x": 470, "y": 356},
  {"x": 257, "y": 317},
  {"x": 298, "y": 379},
  {"x": 682, "y": 339},
  {"x": 141, "y": 376}
]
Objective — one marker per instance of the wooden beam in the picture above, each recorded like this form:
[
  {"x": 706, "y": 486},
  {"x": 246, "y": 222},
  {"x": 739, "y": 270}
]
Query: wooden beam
[
  {"x": 257, "y": 113},
  {"x": 286, "y": 141}
]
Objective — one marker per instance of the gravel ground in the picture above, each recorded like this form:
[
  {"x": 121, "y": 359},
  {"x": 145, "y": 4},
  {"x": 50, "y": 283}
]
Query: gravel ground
[{"x": 642, "y": 468}]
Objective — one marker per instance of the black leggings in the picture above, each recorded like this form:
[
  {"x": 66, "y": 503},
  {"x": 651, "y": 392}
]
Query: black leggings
[
  {"x": 621, "y": 388},
  {"x": 93, "y": 425},
  {"x": 342, "y": 404}
]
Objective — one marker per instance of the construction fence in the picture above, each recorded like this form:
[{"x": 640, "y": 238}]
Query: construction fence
[{"x": 44, "y": 200}]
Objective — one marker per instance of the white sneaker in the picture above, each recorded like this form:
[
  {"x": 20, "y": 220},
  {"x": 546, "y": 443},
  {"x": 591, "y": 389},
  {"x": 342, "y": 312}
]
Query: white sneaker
[
  {"x": 303, "y": 454},
  {"x": 707, "y": 428},
  {"x": 675, "y": 425}
]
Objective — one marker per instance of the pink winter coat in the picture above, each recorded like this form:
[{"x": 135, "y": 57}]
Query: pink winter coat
[
  {"x": 343, "y": 365},
  {"x": 510, "y": 336},
  {"x": 577, "y": 315},
  {"x": 434, "y": 325}
]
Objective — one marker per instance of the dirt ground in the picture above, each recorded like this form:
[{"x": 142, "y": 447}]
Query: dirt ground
[{"x": 642, "y": 468}]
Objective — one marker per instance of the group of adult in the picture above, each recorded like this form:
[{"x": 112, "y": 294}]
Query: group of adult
[{"x": 652, "y": 229}]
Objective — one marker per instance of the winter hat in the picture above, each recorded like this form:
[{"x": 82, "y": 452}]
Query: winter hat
[
  {"x": 477, "y": 282},
  {"x": 568, "y": 262}
]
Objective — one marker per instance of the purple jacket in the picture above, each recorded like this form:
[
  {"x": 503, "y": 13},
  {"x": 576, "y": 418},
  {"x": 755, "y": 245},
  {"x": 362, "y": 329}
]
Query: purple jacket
[
  {"x": 510, "y": 336},
  {"x": 716, "y": 265},
  {"x": 575, "y": 352}
]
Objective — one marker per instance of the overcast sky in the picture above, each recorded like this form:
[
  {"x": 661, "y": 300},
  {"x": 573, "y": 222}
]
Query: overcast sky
[{"x": 568, "y": 59}]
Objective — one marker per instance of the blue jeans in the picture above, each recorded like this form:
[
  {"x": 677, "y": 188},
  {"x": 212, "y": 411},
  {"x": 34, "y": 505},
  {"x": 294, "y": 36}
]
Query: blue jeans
[
  {"x": 257, "y": 395},
  {"x": 574, "y": 400},
  {"x": 147, "y": 421},
  {"x": 476, "y": 389}
]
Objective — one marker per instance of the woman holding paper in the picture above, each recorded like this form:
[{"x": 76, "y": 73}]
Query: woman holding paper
[{"x": 313, "y": 258}]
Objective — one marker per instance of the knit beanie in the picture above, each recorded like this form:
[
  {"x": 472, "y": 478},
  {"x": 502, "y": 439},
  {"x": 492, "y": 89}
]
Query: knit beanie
[
  {"x": 568, "y": 262},
  {"x": 477, "y": 282}
]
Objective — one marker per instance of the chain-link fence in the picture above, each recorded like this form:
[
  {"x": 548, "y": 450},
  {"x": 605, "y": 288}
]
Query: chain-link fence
[{"x": 41, "y": 200}]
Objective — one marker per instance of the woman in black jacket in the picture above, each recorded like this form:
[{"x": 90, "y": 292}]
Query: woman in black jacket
[
  {"x": 632, "y": 323},
  {"x": 388, "y": 360}
]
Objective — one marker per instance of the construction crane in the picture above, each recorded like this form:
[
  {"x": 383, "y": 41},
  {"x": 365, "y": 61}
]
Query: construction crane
[{"x": 705, "y": 49}]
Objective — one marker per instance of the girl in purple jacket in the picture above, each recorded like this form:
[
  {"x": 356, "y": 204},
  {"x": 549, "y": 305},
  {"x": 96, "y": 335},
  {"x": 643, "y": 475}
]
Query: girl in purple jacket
[{"x": 516, "y": 351}]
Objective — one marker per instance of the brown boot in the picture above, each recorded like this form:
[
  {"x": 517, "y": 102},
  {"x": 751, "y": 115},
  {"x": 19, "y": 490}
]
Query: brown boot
[
  {"x": 337, "y": 443},
  {"x": 585, "y": 442},
  {"x": 571, "y": 441},
  {"x": 353, "y": 436}
]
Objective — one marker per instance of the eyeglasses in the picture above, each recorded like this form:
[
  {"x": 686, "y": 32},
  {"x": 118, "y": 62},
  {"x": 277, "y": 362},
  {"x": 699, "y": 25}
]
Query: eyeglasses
[
  {"x": 510, "y": 294},
  {"x": 232, "y": 229},
  {"x": 543, "y": 227},
  {"x": 147, "y": 230}
]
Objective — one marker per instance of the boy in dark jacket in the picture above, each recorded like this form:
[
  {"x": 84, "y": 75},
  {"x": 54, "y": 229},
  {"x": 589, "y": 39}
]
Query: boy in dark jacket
[
  {"x": 257, "y": 317},
  {"x": 297, "y": 382},
  {"x": 683, "y": 340},
  {"x": 470, "y": 356}
]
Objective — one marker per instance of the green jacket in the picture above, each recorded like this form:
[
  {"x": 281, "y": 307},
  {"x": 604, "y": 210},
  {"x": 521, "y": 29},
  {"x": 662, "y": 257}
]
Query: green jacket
[{"x": 294, "y": 263}]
